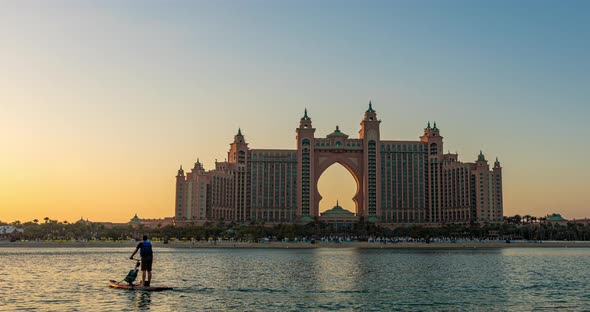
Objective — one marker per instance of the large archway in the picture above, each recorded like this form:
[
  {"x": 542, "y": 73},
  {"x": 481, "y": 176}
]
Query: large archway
[
  {"x": 352, "y": 162},
  {"x": 337, "y": 184}
]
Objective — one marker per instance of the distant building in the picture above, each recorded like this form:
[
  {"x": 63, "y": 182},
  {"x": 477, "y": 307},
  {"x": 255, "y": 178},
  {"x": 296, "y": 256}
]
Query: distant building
[
  {"x": 7, "y": 231},
  {"x": 556, "y": 218},
  {"x": 82, "y": 221},
  {"x": 150, "y": 223},
  {"x": 339, "y": 218},
  {"x": 135, "y": 221},
  {"x": 398, "y": 182},
  {"x": 157, "y": 223},
  {"x": 585, "y": 221}
]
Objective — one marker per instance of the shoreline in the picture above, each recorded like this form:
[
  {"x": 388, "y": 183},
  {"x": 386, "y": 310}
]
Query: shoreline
[{"x": 300, "y": 245}]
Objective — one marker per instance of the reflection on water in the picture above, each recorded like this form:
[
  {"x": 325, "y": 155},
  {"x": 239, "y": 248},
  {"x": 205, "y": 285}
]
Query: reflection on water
[
  {"x": 288, "y": 279},
  {"x": 140, "y": 299}
]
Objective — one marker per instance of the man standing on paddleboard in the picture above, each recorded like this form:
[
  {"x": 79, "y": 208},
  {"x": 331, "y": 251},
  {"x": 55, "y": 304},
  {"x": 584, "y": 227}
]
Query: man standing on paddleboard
[{"x": 145, "y": 251}]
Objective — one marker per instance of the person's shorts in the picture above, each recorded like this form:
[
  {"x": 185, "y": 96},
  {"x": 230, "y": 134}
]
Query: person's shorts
[{"x": 146, "y": 263}]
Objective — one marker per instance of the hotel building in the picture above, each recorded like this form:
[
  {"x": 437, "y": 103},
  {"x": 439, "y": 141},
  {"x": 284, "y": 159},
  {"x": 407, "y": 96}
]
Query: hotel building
[{"x": 398, "y": 182}]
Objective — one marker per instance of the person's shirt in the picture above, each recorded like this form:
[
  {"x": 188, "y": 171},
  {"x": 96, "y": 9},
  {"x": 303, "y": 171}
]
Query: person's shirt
[{"x": 145, "y": 249}]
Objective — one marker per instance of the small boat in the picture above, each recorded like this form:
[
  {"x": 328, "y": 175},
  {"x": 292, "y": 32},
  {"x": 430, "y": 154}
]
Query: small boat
[{"x": 115, "y": 284}]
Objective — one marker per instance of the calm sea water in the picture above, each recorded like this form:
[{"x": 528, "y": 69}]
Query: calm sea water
[{"x": 515, "y": 279}]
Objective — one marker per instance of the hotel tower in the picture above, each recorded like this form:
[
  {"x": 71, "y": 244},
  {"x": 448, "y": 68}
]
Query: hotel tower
[{"x": 398, "y": 182}]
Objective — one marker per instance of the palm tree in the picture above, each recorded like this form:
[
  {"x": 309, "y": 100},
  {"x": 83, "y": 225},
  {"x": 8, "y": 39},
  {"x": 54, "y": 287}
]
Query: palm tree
[
  {"x": 527, "y": 218},
  {"x": 35, "y": 221},
  {"x": 46, "y": 219}
]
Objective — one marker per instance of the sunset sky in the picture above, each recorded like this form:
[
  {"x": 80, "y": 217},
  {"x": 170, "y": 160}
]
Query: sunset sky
[{"x": 101, "y": 101}]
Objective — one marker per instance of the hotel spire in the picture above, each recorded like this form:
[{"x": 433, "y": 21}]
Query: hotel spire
[
  {"x": 198, "y": 165},
  {"x": 305, "y": 121},
  {"x": 370, "y": 110},
  {"x": 239, "y": 137},
  {"x": 481, "y": 157},
  {"x": 497, "y": 163},
  {"x": 370, "y": 114},
  {"x": 305, "y": 117}
]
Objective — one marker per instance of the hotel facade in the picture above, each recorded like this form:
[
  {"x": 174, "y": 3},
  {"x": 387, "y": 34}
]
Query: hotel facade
[{"x": 398, "y": 182}]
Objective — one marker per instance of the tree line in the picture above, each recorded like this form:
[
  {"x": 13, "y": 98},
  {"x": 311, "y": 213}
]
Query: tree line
[{"x": 512, "y": 229}]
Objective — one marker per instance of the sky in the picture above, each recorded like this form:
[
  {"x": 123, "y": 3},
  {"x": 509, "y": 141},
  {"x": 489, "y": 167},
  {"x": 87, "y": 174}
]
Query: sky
[{"x": 101, "y": 101}]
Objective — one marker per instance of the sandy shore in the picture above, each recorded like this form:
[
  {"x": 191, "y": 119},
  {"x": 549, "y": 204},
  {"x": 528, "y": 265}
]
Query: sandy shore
[{"x": 362, "y": 245}]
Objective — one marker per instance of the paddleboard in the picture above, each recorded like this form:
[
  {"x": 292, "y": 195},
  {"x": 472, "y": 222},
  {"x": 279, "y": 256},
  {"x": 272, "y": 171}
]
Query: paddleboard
[{"x": 115, "y": 284}]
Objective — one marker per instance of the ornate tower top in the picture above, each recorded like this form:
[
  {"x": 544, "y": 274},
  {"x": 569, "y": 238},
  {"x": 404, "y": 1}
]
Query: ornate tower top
[
  {"x": 370, "y": 114},
  {"x": 198, "y": 165},
  {"x": 431, "y": 131},
  {"x": 239, "y": 138},
  {"x": 305, "y": 121},
  {"x": 370, "y": 110},
  {"x": 497, "y": 163},
  {"x": 337, "y": 133},
  {"x": 370, "y": 124},
  {"x": 180, "y": 172},
  {"x": 305, "y": 117},
  {"x": 481, "y": 157},
  {"x": 238, "y": 147}
]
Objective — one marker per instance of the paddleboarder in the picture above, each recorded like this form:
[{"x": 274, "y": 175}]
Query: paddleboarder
[{"x": 145, "y": 252}]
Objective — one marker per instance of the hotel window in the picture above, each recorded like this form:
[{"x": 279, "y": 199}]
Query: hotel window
[{"x": 433, "y": 149}]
